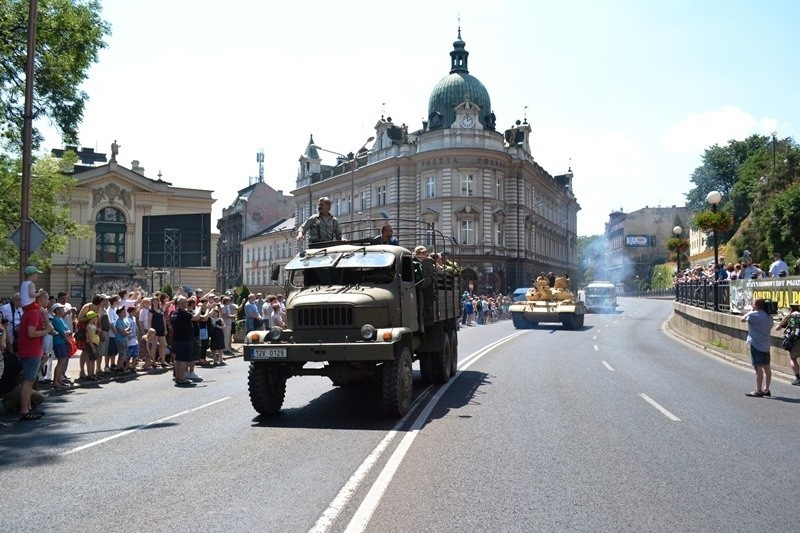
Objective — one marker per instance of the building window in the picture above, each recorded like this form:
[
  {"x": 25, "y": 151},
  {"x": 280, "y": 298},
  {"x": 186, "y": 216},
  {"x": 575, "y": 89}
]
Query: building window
[
  {"x": 380, "y": 192},
  {"x": 430, "y": 187},
  {"x": 468, "y": 185},
  {"x": 498, "y": 234},
  {"x": 110, "y": 229},
  {"x": 363, "y": 205},
  {"x": 467, "y": 232},
  {"x": 498, "y": 189}
]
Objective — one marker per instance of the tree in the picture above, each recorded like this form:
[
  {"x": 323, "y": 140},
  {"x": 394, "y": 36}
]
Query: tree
[
  {"x": 51, "y": 190},
  {"x": 719, "y": 171},
  {"x": 68, "y": 38}
]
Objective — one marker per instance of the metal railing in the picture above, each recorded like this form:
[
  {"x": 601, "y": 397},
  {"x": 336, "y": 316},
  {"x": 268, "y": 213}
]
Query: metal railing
[{"x": 701, "y": 294}]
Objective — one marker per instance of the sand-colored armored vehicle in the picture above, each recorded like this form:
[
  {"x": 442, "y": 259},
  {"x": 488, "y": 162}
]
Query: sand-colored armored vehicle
[
  {"x": 365, "y": 311},
  {"x": 545, "y": 304}
]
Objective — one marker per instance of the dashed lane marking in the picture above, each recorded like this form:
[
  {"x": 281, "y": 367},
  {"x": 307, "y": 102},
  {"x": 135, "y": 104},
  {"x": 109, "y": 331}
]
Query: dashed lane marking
[
  {"x": 655, "y": 404},
  {"x": 139, "y": 428},
  {"x": 607, "y": 366},
  {"x": 596, "y": 349}
]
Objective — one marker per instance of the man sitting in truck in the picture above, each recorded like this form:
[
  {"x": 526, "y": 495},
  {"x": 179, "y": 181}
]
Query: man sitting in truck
[{"x": 387, "y": 236}]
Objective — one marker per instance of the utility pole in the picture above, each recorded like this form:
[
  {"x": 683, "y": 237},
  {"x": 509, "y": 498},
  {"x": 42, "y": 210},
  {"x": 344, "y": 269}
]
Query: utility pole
[{"x": 27, "y": 134}]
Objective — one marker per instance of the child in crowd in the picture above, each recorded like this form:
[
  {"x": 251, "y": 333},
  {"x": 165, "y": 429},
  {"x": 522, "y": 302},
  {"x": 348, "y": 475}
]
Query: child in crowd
[
  {"x": 27, "y": 289},
  {"x": 133, "y": 341},
  {"x": 121, "y": 332},
  {"x": 217, "y": 329},
  {"x": 150, "y": 344},
  {"x": 92, "y": 342}
]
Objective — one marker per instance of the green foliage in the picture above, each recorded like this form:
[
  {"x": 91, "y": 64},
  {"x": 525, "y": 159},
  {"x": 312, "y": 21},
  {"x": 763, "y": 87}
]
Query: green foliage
[
  {"x": 167, "y": 289},
  {"x": 781, "y": 221},
  {"x": 49, "y": 206},
  {"x": 675, "y": 244},
  {"x": 719, "y": 169},
  {"x": 69, "y": 36},
  {"x": 662, "y": 277},
  {"x": 591, "y": 258}
]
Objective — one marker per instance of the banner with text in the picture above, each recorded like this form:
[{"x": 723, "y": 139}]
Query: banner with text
[{"x": 784, "y": 291}]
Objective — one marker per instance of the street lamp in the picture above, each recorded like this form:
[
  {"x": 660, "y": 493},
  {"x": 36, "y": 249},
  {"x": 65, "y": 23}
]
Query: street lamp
[
  {"x": 677, "y": 230},
  {"x": 160, "y": 274},
  {"x": 714, "y": 198},
  {"x": 84, "y": 270},
  {"x": 774, "y": 143}
]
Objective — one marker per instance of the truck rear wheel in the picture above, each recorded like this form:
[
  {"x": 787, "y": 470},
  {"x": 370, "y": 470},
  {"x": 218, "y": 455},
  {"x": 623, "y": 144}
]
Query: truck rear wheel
[
  {"x": 440, "y": 361},
  {"x": 267, "y": 385},
  {"x": 397, "y": 383}
]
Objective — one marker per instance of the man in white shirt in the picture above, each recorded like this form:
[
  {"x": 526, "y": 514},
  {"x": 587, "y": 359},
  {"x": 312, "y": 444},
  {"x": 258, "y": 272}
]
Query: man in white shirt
[
  {"x": 778, "y": 266},
  {"x": 12, "y": 312}
]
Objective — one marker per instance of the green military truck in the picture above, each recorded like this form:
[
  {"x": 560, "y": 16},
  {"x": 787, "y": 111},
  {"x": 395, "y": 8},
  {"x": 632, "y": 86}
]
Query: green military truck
[{"x": 364, "y": 310}]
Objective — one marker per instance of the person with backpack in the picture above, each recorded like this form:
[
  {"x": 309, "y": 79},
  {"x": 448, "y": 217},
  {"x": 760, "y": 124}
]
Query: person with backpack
[{"x": 791, "y": 338}]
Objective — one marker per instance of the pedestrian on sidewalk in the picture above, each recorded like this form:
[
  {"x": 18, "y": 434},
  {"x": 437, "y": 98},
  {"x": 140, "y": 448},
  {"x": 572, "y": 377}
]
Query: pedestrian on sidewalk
[
  {"x": 791, "y": 323},
  {"x": 759, "y": 326}
]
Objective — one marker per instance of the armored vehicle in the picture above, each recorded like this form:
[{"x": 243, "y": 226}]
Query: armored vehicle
[
  {"x": 545, "y": 304},
  {"x": 365, "y": 311}
]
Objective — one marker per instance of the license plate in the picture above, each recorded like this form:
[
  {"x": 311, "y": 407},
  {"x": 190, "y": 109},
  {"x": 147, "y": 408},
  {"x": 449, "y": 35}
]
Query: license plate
[{"x": 268, "y": 353}]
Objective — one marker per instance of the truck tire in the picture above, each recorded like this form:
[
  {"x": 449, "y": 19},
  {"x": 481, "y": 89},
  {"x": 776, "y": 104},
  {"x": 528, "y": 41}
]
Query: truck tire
[
  {"x": 397, "y": 383},
  {"x": 426, "y": 367},
  {"x": 453, "y": 353},
  {"x": 267, "y": 385},
  {"x": 519, "y": 321},
  {"x": 440, "y": 361}
]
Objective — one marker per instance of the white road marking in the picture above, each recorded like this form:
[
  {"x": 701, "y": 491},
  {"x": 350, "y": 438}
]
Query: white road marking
[
  {"x": 143, "y": 426},
  {"x": 594, "y": 338},
  {"x": 607, "y": 366},
  {"x": 596, "y": 349},
  {"x": 364, "y": 512},
  {"x": 664, "y": 412},
  {"x": 606, "y": 325}
]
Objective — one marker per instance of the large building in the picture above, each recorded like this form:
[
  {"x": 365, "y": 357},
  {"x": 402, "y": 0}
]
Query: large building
[
  {"x": 143, "y": 232},
  {"x": 637, "y": 241},
  {"x": 481, "y": 188},
  {"x": 256, "y": 208}
]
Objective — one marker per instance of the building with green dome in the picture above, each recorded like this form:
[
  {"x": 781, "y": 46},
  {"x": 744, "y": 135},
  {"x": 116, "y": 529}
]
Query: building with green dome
[{"x": 482, "y": 188}]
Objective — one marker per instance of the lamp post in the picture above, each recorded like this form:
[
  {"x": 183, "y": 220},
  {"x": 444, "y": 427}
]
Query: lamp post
[
  {"x": 714, "y": 198},
  {"x": 160, "y": 274},
  {"x": 352, "y": 157},
  {"x": 677, "y": 230},
  {"x": 84, "y": 270}
]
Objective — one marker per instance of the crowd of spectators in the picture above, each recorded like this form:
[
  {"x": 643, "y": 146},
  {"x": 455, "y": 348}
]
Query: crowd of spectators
[
  {"x": 743, "y": 269},
  {"x": 111, "y": 336}
]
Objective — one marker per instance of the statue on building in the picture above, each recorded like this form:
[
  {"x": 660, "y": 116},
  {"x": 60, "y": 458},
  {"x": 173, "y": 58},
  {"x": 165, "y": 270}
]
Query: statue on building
[{"x": 114, "y": 150}]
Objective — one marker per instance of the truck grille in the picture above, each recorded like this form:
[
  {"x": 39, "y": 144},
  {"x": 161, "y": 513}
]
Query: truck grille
[{"x": 323, "y": 317}]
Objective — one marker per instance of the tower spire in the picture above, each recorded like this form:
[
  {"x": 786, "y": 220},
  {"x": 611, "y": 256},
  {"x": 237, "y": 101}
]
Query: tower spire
[{"x": 458, "y": 57}]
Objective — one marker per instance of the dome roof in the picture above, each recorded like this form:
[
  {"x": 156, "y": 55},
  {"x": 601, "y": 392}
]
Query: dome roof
[{"x": 456, "y": 88}]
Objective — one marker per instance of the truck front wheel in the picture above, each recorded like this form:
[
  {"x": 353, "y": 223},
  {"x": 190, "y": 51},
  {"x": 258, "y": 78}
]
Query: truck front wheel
[
  {"x": 267, "y": 385},
  {"x": 397, "y": 383},
  {"x": 441, "y": 361}
]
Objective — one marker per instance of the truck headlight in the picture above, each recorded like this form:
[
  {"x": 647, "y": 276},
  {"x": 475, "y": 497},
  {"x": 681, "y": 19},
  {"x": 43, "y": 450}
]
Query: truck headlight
[
  {"x": 275, "y": 333},
  {"x": 367, "y": 331}
]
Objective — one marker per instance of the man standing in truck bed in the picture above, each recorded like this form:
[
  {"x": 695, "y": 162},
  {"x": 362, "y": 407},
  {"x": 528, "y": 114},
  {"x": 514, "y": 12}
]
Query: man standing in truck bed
[{"x": 323, "y": 226}]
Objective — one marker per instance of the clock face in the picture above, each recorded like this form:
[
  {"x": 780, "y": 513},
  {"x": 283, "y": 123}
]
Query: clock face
[{"x": 467, "y": 121}]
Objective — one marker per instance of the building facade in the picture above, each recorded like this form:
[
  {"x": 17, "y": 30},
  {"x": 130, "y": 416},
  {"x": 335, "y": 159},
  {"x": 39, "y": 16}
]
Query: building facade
[
  {"x": 637, "y": 241},
  {"x": 256, "y": 208},
  {"x": 268, "y": 249},
  {"x": 144, "y": 232},
  {"x": 481, "y": 188}
]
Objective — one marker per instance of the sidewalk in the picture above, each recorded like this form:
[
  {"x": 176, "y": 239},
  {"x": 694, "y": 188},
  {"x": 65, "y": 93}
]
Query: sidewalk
[{"x": 73, "y": 370}]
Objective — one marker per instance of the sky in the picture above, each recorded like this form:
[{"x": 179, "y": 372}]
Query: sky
[{"x": 627, "y": 93}]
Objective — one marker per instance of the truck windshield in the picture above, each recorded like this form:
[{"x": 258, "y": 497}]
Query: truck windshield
[
  {"x": 320, "y": 259},
  {"x": 360, "y": 259}
]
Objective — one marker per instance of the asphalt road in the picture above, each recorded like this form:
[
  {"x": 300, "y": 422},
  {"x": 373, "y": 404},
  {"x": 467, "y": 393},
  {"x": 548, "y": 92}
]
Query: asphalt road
[{"x": 617, "y": 427}]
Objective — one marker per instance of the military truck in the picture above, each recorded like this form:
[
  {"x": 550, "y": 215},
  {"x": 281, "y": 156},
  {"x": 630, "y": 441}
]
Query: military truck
[
  {"x": 600, "y": 297},
  {"x": 365, "y": 311},
  {"x": 545, "y": 304}
]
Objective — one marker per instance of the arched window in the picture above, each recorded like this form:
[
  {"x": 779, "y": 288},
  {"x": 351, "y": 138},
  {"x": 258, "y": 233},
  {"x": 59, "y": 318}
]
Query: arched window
[{"x": 110, "y": 229}]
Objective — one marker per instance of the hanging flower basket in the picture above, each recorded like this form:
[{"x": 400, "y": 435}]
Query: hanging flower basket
[
  {"x": 709, "y": 221},
  {"x": 676, "y": 244}
]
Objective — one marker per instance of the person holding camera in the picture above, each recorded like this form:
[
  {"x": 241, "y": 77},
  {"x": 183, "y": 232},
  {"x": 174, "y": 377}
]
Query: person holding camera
[{"x": 323, "y": 226}]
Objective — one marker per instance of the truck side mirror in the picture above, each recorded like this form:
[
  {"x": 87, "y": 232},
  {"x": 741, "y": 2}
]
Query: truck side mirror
[{"x": 276, "y": 271}]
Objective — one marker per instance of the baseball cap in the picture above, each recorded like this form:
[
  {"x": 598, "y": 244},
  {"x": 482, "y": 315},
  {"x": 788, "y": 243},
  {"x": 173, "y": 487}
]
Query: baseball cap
[
  {"x": 56, "y": 306},
  {"x": 90, "y": 315},
  {"x": 32, "y": 270}
]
